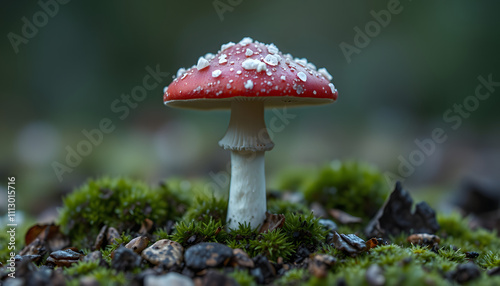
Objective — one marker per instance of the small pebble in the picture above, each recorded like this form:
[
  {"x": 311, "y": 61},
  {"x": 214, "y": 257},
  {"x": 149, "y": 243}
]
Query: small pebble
[
  {"x": 207, "y": 254},
  {"x": 330, "y": 225},
  {"x": 99, "y": 240},
  {"x": 424, "y": 239},
  {"x": 213, "y": 278},
  {"x": 125, "y": 259},
  {"x": 465, "y": 272},
  {"x": 172, "y": 278},
  {"x": 165, "y": 252},
  {"x": 349, "y": 244},
  {"x": 263, "y": 269},
  {"x": 241, "y": 258},
  {"x": 64, "y": 257},
  {"x": 112, "y": 235},
  {"x": 375, "y": 276},
  {"x": 138, "y": 244},
  {"x": 93, "y": 256},
  {"x": 471, "y": 254}
]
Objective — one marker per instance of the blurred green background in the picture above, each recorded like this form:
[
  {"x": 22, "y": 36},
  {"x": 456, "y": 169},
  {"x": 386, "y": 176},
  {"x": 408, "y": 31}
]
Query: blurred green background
[{"x": 64, "y": 78}]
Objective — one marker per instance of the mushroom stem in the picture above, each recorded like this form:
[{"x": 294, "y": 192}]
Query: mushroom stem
[
  {"x": 247, "y": 193},
  {"x": 248, "y": 139}
]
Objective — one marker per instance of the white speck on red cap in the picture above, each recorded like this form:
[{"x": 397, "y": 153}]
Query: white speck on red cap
[
  {"x": 202, "y": 63},
  {"x": 216, "y": 73},
  {"x": 285, "y": 81}
]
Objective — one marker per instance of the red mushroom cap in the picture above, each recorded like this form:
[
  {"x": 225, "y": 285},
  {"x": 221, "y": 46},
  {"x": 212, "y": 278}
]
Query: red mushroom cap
[{"x": 250, "y": 70}]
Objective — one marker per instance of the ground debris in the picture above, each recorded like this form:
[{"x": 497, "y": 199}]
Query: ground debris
[
  {"x": 320, "y": 264},
  {"x": 41, "y": 239},
  {"x": 350, "y": 244},
  {"x": 343, "y": 217},
  {"x": 272, "y": 222},
  {"x": 396, "y": 216},
  {"x": 424, "y": 239}
]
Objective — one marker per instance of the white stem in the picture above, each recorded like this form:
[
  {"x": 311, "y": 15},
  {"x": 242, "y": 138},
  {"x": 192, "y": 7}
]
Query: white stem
[
  {"x": 247, "y": 194},
  {"x": 247, "y": 138}
]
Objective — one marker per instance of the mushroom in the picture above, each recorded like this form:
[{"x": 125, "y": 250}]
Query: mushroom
[{"x": 247, "y": 77}]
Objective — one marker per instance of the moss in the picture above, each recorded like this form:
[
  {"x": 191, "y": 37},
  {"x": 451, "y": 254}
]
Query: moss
[
  {"x": 356, "y": 188},
  {"x": 455, "y": 255},
  {"x": 352, "y": 187},
  {"x": 103, "y": 276},
  {"x": 242, "y": 277},
  {"x": 21, "y": 229},
  {"x": 4, "y": 245},
  {"x": 489, "y": 260},
  {"x": 205, "y": 208},
  {"x": 455, "y": 231},
  {"x": 188, "y": 234},
  {"x": 272, "y": 244},
  {"x": 304, "y": 229},
  {"x": 277, "y": 206},
  {"x": 241, "y": 237},
  {"x": 81, "y": 268},
  {"x": 122, "y": 240},
  {"x": 293, "y": 277},
  {"x": 295, "y": 178},
  {"x": 161, "y": 233},
  {"x": 118, "y": 202},
  {"x": 413, "y": 274},
  {"x": 107, "y": 276}
]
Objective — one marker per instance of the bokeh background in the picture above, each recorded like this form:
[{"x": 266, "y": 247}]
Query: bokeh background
[{"x": 66, "y": 76}]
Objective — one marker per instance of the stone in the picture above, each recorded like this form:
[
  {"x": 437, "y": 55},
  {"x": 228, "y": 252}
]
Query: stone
[
  {"x": 138, "y": 244},
  {"x": 328, "y": 224},
  {"x": 375, "y": 275},
  {"x": 99, "y": 240},
  {"x": 125, "y": 259},
  {"x": 64, "y": 257},
  {"x": 423, "y": 239},
  {"x": 264, "y": 270},
  {"x": 171, "y": 279},
  {"x": 93, "y": 256},
  {"x": 112, "y": 235},
  {"x": 465, "y": 272},
  {"x": 213, "y": 278},
  {"x": 350, "y": 244},
  {"x": 207, "y": 255},
  {"x": 241, "y": 259},
  {"x": 164, "y": 252}
]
